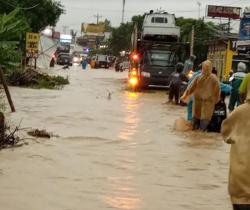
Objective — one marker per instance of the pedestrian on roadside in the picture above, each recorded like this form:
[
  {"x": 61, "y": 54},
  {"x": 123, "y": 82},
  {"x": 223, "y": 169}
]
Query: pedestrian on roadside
[
  {"x": 84, "y": 64},
  {"x": 236, "y": 80},
  {"x": 244, "y": 88},
  {"x": 206, "y": 91},
  {"x": 235, "y": 131},
  {"x": 176, "y": 79}
]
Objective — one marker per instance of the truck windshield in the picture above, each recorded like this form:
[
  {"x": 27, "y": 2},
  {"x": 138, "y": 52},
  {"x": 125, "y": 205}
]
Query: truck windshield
[
  {"x": 160, "y": 58},
  {"x": 101, "y": 57}
]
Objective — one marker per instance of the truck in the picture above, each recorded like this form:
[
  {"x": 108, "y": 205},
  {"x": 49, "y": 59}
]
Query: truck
[{"x": 154, "y": 50}]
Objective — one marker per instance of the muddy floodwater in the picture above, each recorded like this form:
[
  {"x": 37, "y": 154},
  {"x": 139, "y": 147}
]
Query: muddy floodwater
[{"x": 116, "y": 150}]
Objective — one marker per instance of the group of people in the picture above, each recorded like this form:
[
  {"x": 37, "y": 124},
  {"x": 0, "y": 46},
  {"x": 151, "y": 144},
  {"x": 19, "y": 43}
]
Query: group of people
[{"x": 204, "y": 91}]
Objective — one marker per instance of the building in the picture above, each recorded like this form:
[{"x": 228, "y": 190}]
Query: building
[{"x": 221, "y": 53}]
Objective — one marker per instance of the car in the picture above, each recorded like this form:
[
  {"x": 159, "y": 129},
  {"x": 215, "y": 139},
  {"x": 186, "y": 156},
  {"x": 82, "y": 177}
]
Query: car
[
  {"x": 101, "y": 61},
  {"x": 64, "y": 59},
  {"x": 124, "y": 66},
  {"x": 160, "y": 26}
]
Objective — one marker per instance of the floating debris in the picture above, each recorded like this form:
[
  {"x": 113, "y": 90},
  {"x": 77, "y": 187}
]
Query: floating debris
[{"x": 40, "y": 133}]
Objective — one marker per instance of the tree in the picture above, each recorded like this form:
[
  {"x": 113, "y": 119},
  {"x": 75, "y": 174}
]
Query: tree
[
  {"x": 38, "y": 13},
  {"x": 107, "y": 25},
  {"x": 121, "y": 36},
  {"x": 11, "y": 27},
  {"x": 203, "y": 33}
]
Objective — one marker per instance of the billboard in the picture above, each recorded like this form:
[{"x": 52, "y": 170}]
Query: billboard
[
  {"x": 245, "y": 28},
  {"x": 93, "y": 28},
  {"x": 223, "y": 12},
  {"x": 32, "y": 42},
  {"x": 65, "y": 38}
]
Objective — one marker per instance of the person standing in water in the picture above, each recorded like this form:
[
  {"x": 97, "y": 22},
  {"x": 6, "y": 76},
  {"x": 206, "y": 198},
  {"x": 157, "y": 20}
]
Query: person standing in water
[
  {"x": 235, "y": 130},
  {"x": 206, "y": 91}
]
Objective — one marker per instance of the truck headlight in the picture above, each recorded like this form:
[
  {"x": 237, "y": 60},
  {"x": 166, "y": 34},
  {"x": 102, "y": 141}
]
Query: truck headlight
[
  {"x": 75, "y": 59},
  {"x": 145, "y": 74}
]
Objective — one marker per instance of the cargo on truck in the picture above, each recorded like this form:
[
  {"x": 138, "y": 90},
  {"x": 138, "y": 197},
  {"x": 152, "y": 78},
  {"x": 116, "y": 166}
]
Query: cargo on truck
[{"x": 155, "y": 50}]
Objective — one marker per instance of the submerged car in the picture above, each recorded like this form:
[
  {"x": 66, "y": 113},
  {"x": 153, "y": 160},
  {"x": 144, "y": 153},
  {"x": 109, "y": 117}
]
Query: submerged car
[
  {"x": 101, "y": 61},
  {"x": 64, "y": 59}
]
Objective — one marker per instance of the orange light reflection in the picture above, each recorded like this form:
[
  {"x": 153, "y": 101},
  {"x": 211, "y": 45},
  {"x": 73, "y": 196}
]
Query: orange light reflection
[{"x": 131, "y": 118}]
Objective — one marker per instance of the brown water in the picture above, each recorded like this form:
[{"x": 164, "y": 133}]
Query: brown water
[{"x": 114, "y": 152}]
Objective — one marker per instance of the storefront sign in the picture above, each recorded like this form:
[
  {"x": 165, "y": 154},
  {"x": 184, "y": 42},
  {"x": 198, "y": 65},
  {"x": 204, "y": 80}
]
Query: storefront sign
[{"x": 223, "y": 12}]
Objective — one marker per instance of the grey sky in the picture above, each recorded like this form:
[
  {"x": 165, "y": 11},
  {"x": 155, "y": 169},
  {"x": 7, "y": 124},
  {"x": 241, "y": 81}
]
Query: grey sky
[{"x": 78, "y": 11}]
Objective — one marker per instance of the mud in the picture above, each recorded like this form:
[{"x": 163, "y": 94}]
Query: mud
[{"x": 116, "y": 150}]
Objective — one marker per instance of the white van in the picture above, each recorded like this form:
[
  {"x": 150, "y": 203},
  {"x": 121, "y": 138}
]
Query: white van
[{"x": 160, "y": 26}]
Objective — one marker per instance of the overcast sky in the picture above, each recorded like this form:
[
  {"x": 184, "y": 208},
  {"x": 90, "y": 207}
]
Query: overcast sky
[{"x": 78, "y": 11}]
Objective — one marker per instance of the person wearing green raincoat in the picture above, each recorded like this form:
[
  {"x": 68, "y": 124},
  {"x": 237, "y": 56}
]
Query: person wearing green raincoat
[{"x": 236, "y": 81}]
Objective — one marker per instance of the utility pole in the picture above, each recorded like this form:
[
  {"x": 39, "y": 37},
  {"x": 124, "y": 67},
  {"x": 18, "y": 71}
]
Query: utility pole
[
  {"x": 192, "y": 42},
  {"x": 199, "y": 11},
  {"x": 97, "y": 18},
  {"x": 123, "y": 10},
  {"x": 65, "y": 29},
  {"x": 229, "y": 25}
]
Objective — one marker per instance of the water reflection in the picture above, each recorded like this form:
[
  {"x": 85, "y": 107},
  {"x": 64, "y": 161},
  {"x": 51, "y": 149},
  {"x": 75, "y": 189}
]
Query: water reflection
[
  {"x": 119, "y": 202},
  {"x": 131, "y": 119},
  {"x": 123, "y": 194}
]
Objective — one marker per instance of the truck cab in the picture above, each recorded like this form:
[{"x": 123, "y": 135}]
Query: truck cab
[{"x": 156, "y": 66}]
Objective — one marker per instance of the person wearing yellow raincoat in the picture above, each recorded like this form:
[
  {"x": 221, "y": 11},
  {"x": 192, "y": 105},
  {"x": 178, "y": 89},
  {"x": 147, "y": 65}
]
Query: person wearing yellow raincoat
[
  {"x": 245, "y": 88},
  {"x": 206, "y": 91},
  {"x": 236, "y": 131}
]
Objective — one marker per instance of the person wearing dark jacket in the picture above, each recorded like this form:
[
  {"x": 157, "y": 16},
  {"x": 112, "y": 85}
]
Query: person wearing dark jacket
[{"x": 177, "y": 77}]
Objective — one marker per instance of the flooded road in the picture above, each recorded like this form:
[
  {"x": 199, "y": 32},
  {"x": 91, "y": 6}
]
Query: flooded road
[{"x": 116, "y": 150}]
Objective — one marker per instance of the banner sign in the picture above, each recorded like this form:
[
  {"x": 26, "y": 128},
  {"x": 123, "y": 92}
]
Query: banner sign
[
  {"x": 32, "y": 43},
  {"x": 245, "y": 28},
  {"x": 93, "y": 28},
  {"x": 223, "y": 12}
]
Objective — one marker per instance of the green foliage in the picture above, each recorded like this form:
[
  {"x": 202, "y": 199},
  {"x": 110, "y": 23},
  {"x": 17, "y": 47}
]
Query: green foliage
[
  {"x": 107, "y": 25},
  {"x": 31, "y": 78},
  {"x": 139, "y": 20},
  {"x": 44, "y": 12},
  {"x": 11, "y": 27},
  {"x": 203, "y": 33},
  {"x": 121, "y": 36},
  {"x": 48, "y": 82}
]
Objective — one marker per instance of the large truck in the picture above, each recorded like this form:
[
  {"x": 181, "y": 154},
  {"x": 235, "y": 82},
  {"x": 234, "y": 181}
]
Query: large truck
[{"x": 155, "y": 50}]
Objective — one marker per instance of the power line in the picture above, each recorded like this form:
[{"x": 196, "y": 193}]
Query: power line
[
  {"x": 97, "y": 18},
  {"x": 17, "y": 6}
]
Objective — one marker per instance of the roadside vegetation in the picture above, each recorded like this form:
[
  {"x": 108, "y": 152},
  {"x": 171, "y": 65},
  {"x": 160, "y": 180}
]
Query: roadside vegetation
[
  {"x": 14, "y": 23},
  {"x": 34, "y": 79}
]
